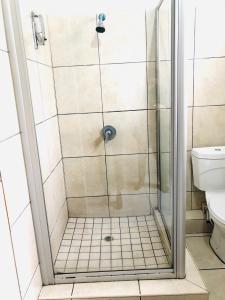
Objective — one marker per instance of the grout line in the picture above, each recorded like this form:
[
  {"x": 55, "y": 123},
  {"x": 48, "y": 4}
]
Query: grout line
[
  {"x": 5, "y": 51},
  {"x": 52, "y": 171},
  {"x": 38, "y": 62},
  {"x": 20, "y": 214},
  {"x": 41, "y": 122},
  {"x": 108, "y": 155},
  {"x": 30, "y": 281},
  {"x": 107, "y": 64},
  {"x": 9, "y": 137},
  {"x": 148, "y": 121},
  {"x": 110, "y": 111},
  {"x": 11, "y": 241},
  {"x": 111, "y": 195},
  {"x": 103, "y": 121},
  {"x": 59, "y": 131}
]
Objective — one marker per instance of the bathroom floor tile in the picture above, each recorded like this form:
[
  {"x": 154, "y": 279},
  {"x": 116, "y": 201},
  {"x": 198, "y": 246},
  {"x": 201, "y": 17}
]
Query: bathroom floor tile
[
  {"x": 203, "y": 253},
  {"x": 104, "y": 244}
]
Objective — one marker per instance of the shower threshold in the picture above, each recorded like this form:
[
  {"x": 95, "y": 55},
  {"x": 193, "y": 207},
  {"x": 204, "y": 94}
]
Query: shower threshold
[{"x": 110, "y": 244}]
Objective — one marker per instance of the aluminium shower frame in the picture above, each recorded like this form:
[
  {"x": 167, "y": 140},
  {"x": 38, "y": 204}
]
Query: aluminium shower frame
[{"x": 14, "y": 35}]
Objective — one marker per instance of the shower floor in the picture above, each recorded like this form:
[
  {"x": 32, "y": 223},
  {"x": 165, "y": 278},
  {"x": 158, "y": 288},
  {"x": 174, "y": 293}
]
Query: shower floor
[{"x": 105, "y": 244}]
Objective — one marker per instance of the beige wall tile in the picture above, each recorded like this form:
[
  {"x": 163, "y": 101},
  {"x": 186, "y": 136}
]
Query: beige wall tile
[
  {"x": 8, "y": 114},
  {"x": 124, "y": 87},
  {"x": 165, "y": 173},
  {"x": 152, "y": 130},
  {"x": 209, "y": 81},
  {"x": 74, "y": 40},
  {"x": 14, "y": 177},
  {"x": 85, "y": 176},
  {"x": 119, "y": 42},
  {"x": 151, "y": 76},
  {"x": 42, "y": 91},
  {"x": 129, "y": 205},
  {"x": 3, "y": 45},
  {"x": 25, "y": 251},
  {"x": 81, "y": 93},
  {"x": 209, "y": 126},
  {"x": 8, "y": 274},
  {"x": 153, "y": 201},
  {"x": 188, "y": 82},
  {"x": 131, "y": 136},
  {"x": 209, "y": 36},
  {"x": 55, "y": 196},
  {"x": 189, "y": 128},
  {"x": 153, "y": 172},
  {"x": 58, "y": 231},
  {"x": 197, "y": 199},
  {"x": 165, "y": 84},
  {"x": 128, "y": 174},
  {"x": 49, "y": 146},
  {"x": 88, "y": 207},
  {"x": 165, "y": 31},
  {"x": 81, "y": 135},
  {"x": 165, "y": 132},
  {"x": 189, "y": 23},
  {"x": 188, "y": 201},
  {"x": 150, "y": 29},
  {"x": 189, "y": 172}
]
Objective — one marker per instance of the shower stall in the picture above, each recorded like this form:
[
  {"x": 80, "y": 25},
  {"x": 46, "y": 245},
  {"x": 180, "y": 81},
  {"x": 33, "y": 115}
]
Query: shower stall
[{"x": 100, "y": 97}]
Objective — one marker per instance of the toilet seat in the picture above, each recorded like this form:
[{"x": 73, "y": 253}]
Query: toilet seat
[{"x": 216, "y": 205}]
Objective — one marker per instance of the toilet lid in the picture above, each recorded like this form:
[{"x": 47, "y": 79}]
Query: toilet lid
[{"x": 216, "y": 204}]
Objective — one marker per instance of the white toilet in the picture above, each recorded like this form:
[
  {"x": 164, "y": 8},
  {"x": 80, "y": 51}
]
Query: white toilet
[{"x": 209, "y": 176}]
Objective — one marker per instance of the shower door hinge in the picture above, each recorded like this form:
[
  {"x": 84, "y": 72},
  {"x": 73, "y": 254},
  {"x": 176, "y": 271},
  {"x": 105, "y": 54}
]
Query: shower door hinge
[{"x": 38, "y": 29}]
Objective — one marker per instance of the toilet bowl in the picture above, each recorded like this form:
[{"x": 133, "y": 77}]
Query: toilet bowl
[
  {"x": 209, "y": 176},
  {"x": 216, "y": 206}
]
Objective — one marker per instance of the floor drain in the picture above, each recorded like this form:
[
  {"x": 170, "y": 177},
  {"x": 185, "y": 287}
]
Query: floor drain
[{"x": 108, "y": 238}]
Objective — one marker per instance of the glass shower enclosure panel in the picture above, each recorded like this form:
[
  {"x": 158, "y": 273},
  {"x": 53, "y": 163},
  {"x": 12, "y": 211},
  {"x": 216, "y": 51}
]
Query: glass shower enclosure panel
[
  {"x": 164, "y": 113},
  {"x": 102, "y": 119}
]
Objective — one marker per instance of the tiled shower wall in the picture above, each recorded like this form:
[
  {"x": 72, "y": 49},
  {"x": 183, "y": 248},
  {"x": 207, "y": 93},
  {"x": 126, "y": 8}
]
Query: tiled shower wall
[
  {"x": 39, "y": 64},
  {"x": 205, "y": 77},
  {"x": 20, "y": 271},
  {"x": 107, "y": 79}
]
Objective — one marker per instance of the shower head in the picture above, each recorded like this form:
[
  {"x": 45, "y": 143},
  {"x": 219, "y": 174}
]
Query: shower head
[{"x": 100, "y": 28}]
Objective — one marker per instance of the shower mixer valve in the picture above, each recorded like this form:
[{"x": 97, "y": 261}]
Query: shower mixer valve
[{"x": 108, "y": 133}]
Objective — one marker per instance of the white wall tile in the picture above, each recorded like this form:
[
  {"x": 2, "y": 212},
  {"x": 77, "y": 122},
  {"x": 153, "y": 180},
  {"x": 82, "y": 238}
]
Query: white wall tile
[
  {"x": 3, "y": 45},
  {"x": 124, "y": 87},
  {"x": 151, "y": 38},
  {"x": 124, "y": 39},
  {"x": 54, "y": 191},
  {"x": 24, "y": 242},
  {"x": 58, "y": 231},
  {"x": 209, "y": 82},
  {"x": 42, "y": 91},
  {"x": 35, "y": 286},
  {"x": 81, "y": 135},
  {"x": 81, "y": 93},
  {"x": 209, "y": 37},
  {"x": 42, "y": 54},
  {"x": 8, "y": 114},
  {"x": 48, "y": 145},
  {"x": 14, "y": 177},
  {"x": 8, "y": 277},
  {"x": 73, "y": 40}
]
